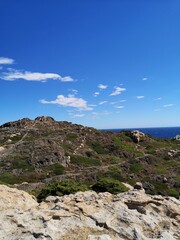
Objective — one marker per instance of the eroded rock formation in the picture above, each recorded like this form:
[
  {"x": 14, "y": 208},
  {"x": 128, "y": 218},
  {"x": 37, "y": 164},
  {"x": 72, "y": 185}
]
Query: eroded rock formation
[{"x": 88, "y": 215}]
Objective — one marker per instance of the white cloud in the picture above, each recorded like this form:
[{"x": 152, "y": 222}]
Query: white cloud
[
  {"x": 139, "y": 97},
  {"x": 102, "y": 113},
  {"x": 4, "y": 60},
  {"x": 157, "y": 109},
  {"x": 77, "y": 115},
  {"x": 74, "y": 91},
  {"x": 103, "y": 102},
  {"x": 33, "y": 76},
  {"x": 145, "y": 79},
  {"x": 157, "y": 99},
  {"x": 102, "y": 87},
  {"x": 120, "y": 101},
  {"x": 118, "y": 90},
  {"x": 168, "y": 105},
  {"x": 96, "y": 94},
  {"x": 120, "y": 107},
  {"x": 69, "y": 101}
]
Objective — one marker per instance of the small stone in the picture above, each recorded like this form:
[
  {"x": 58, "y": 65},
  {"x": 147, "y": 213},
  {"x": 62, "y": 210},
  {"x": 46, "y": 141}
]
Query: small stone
[{"x": 138, "y": 186}]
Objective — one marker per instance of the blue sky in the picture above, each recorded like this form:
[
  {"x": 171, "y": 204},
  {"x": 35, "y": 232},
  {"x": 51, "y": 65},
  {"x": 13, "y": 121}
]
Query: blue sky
[{"x": 100, "y": 63}]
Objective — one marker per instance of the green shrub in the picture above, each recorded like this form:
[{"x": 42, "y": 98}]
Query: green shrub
[
  {"x": 20, "y": 161},
  {"x": 22, "y": 164},
  {"x": 8, "y": 178},
  {"x": 98, "y": 148},
  {"x": 80, "y": 160},
  {"x": 173, "y": 193},
  {"x": 71, "y": 136},
  {"x": 61, "y": 188},
  {"x": 56, "y": 168},
  {"x": 125, "y": 136},
  {"x": 16, "y": 138},
  {"x": 126, "y": 146},
  {"x": 67, "y": 147},
  {"x": 160, "y": 170},
  {"x": 150, "y": 149},
  {"x": 113, "y": 172},
  {"x": 109, "y": 185},
  {"x": 136, "y": 167},
  {"x": 113, "y": 159}
]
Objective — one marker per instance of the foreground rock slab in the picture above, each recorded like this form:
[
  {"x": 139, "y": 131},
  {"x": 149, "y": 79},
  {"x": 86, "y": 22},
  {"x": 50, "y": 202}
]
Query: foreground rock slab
[{"x": 133, "y": 215}]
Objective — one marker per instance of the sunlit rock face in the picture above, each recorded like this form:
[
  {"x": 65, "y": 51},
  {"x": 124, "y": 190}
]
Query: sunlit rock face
[{"x": 88, "y": 215}]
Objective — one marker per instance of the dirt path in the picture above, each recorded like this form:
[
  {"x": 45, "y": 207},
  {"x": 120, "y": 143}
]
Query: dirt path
[{"x": 9, "y": 150}]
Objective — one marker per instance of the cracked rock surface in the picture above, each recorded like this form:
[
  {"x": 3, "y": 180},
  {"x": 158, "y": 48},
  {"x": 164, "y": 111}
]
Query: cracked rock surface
[{"x": 133, "y": 215}]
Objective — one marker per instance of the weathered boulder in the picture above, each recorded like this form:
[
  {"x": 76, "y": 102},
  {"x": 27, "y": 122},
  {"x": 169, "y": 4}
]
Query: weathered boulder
[
  {"x": 177, "y": 137},
  {"x": 45, "y": 119},
  {"x": 88, "y": 215},
  {"x": 137, "y": 135}
]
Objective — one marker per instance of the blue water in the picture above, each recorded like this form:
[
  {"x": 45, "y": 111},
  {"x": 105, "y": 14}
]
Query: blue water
[{"x": 162, "y": 132}]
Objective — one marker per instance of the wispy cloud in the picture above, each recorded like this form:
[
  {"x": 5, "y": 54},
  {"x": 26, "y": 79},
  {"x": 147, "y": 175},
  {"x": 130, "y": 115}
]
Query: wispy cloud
[
  {"x": 99, "y": 114},
  {"x": 120, "y": 107},
  {"x": 144, "y": 78},
  {"x": 102, "y": 102},
  {"x": 102, "y": 86},
  {"x": 157, "y": 109},
  {"x": 74, "y": 91},
  {"x": 77, "y": 115},
  {"x": 140, "y": 97},
  {"x": 69, "y": 101},
  {"x": 7, "y": 61},
  {"x": 157, "y": 99},
  {"x": 168, "y": 105},
  {"x": 117, "y": 91},
  {"x": 120, "y": 101},
  {"x": 96, "y": 94},
  {"x": 14, "y": 74}
]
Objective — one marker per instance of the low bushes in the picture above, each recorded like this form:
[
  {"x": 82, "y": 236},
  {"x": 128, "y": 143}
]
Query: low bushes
[
  {"x": 65, "y": 187},
  {"x": 80, "y": 160},
  {"x": 97, "y": 147},
  {"x": 61, "y": 188},
  {"x": 109, "y": 185},
  {"x": 55, "y": 168}
]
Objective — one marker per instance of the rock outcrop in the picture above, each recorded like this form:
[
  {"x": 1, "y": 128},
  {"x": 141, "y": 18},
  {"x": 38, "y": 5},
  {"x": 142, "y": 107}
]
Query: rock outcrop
[
  {"x": 88, "y": 215},
  {"x": 137, "y": 135}
]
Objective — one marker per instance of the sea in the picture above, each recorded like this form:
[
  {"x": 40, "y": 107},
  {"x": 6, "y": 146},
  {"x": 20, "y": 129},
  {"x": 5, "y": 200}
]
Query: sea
[{"x": 158, "y": 132}]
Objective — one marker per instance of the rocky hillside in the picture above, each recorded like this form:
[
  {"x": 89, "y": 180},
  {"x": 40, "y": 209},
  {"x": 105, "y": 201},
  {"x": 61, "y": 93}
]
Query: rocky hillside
[
  {"x": 43, "y": 150},
  {"x": 88, "y": 216}
]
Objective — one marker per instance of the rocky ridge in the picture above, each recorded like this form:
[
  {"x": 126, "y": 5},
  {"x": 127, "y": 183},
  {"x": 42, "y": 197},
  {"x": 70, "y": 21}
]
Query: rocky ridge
[
  {"x": 88, "y": 216},
  {"x": 43, "y": 150}
]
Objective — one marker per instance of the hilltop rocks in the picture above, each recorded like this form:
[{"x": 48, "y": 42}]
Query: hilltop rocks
[
  {"x": 88, "y": 215},
  {"x": 45, "y": 119},
  {"x": 26, "y": 122},
  {"x": 137, "y": 135},
  {"x": 18, "y": 123}
]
